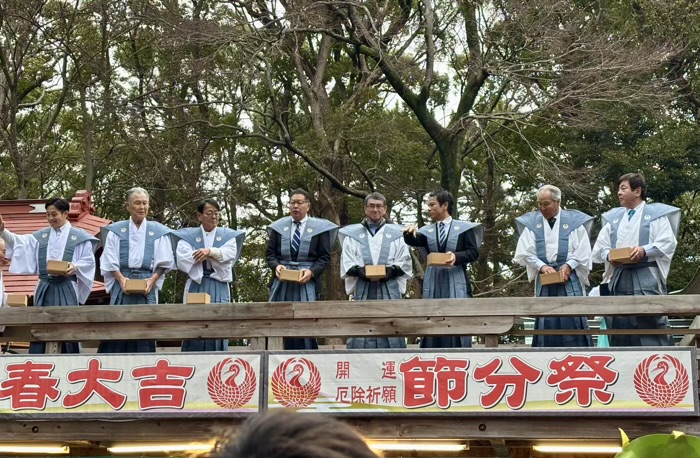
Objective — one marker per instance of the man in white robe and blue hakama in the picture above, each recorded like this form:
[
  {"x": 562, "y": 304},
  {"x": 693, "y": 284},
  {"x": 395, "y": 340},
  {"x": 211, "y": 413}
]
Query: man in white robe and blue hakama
[
  {"x": 556, "y": 240},
  {"x": 373, "y": 242},
  {"x": 299, "y": 242},
  {"x": 207, "y": 255},
  {"x": 650, "y": 231},
  {"x": 460, "y": 239},
  {"x": 136, "y": 249},
  {"x": 59, "y": 242}
]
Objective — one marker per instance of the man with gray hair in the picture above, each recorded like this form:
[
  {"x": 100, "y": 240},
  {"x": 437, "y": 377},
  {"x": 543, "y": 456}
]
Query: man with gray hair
[
  {"x": 556, "y": 240},
  {"x": 135, "y": 249},
  {"x": 375, "y": 243}
]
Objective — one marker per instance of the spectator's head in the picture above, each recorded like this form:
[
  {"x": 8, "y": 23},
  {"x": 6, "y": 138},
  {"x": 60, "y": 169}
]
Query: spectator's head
[
  {"x": 631, "y": 189},
  {"x": 286, "y": 434}
]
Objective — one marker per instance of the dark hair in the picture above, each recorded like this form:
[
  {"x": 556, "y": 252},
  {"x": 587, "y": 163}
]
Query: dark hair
[
  {"x": 306, "y": 195},
  {"x": 375, "y": 196},
  {"x": 287, "y": 434},
  {"x": 443, "y": 196},
  {"x": 204, "y": 202},
  {"x": 636, "y": 181},
  {"x": 61, "y": 205}
]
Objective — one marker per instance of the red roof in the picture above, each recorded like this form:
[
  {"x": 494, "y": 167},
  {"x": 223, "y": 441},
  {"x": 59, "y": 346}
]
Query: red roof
[{"x": 28, "y": 216}]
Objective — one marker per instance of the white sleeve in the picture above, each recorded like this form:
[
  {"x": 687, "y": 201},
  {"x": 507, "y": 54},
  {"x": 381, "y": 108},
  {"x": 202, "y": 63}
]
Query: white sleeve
[
  {"x": 400, "y": 256},
  {"x": 185, "y": 261},
  {"x": 84, "y": 261},
  {"x": 601, "y": 249},
  {"x": 526, "y": 254},
  {"x": 221, "y": 260},
  {"x": 109, "y": 261},
  {"x": 22, "y": 249},
  {"x": 351, "y": 256},
  {"x": 664, "y": 244},
  {"x": 579, "y": 257},
  {"x": 163, "y": 258}
]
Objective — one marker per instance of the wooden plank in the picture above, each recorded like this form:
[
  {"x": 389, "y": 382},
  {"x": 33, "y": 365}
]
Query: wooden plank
[
  {"x": 145, "y": 312},
  {"x": 275, "y": 328},
  {"x": 505, "y": 306},
  {"x": 689, "y": 339},
  {"x": 580, "y": 332},
  {"x": 491, "y": 341},
  {"x": 380, "y": 427}
]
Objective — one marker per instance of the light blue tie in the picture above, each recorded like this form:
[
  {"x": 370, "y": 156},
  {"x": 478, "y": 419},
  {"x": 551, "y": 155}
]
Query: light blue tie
[
  {"x": 442, "y": 234},
  {"x": 630, "y": 214},
  {"x": 296, "y": 240}
]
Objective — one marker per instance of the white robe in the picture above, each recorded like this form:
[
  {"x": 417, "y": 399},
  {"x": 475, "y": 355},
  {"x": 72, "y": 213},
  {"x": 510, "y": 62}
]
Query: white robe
[
  {"x": 660, "y": 249},
  {"x": 162, "y": 255},
  {"x": 25, "y": 257},
  {"x": 3, "y": 296},
  {"x": 578, "y": 256},
  {"x": 399, "y": 255},
  {"x": 220, "y": 261}
]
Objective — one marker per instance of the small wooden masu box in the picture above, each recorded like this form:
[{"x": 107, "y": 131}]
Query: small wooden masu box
[
  {"x": 290, "y": 275},
  {"x": 621, "y": 255},
  {"x": 16, "y": 300},
  {"x": 134, "y": 286},
  {"x": 438, "y": 259},
  {"x": 198, "y": 298},
  {"x": 553, "y": 278},
  {"x": 54, "y": 267},
  {"x": 375, "y": 272}
]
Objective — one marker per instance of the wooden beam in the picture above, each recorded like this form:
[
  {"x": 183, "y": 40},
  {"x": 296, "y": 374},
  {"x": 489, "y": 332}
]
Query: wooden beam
[
  {"x": 418, "y": 326},
  {"x": 689, "y": 339},
  {"x": 381, "y": 427}
]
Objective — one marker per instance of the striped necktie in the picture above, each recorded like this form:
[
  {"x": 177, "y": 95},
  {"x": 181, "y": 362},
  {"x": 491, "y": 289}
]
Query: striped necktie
[
  {"x": 442, "y": 234},
  {"x": 296, "y": 239}
]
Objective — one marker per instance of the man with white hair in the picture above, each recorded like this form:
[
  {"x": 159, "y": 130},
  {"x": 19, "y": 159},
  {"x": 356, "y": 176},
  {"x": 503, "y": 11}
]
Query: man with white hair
[
  {"x": 135, "y": 249},
  {"x": 556, "y": 240}
]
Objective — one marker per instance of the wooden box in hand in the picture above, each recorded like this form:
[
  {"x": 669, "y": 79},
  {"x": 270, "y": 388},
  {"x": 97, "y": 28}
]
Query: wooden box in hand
[
  {"x": 57, "y": 267},
  {"x": 16, "y": 300},
  {"x": 198, "y": 298},
  {"x": 375, "y": 273},
  {"x": 134, "y": 286},
  {"x": 553, "y": 278},
  {"x": 290, "y": 275},
  {"x": 438, "y": 259},
  {"x": 621, "y": 255}
]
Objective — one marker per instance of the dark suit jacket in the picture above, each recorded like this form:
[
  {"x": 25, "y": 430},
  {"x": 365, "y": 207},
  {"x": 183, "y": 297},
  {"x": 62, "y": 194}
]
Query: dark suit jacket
[
  {"x": 465, "y": 252},
  {"x": 319, "y": 253}
]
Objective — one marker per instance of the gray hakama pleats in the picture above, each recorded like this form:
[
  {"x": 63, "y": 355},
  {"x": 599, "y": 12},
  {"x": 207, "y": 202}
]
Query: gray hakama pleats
[
  {"x": 55, "y": 291},
  {"x": 571, "y": 288},
  {"x": 220, "y": 294},
  {"x": 637, "y": 280}
]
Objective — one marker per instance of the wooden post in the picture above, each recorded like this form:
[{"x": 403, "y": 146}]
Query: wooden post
[
  {"x": 491, "y": 341},
  {"x": 53, "y": 348}
]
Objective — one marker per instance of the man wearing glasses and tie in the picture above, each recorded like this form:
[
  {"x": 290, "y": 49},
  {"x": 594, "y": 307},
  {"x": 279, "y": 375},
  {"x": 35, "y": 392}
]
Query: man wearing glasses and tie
[
  {"x": 556, "y": 240},
  {"x": 302, "y": 243},
  {"x": 461, "y": 240},
  {"x": 649, "y": 231}
]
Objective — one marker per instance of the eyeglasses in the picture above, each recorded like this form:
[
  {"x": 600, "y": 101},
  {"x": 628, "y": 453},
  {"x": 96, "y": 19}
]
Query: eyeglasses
[
  {"x": 545, "y": 204},
  {"x": 375, "y": 206},
  {"x": 296, "y": 203},
  {"x": 211, "y": 214}
]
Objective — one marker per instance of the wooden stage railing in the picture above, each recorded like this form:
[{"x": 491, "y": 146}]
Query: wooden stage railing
[{"x": 265, "y": 323}]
